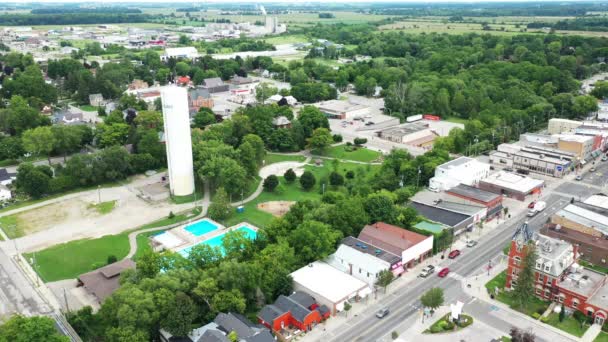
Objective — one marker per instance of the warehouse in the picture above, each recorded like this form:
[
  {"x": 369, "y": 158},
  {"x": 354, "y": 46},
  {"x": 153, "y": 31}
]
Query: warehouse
[
  {"x": 512, "y": 185},
  {"x": 416, "y": 134},
  {"x": 337, "y": 109}
]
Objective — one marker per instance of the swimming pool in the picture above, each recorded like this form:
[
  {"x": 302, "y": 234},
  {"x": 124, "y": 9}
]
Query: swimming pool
[
  {"x": 217, "y": 240},
  {"x": 201, "y": 227}
]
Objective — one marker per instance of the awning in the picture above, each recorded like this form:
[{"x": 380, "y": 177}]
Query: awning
[
  {"x": 364, "y": 292},
  {"x": 397, "y": 271}
]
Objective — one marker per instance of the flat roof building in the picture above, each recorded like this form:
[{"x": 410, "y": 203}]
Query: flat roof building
[
  {"x": 338, "y": 109},
  {"x": 459, "y": 222},
  {"x": 511, "y": 185},
  {"x": 188, "y": 52},
  {"x": 557, "y": 126},
  {"x": 474, "y": 196},
  {"x": 463, "y": 170},
  {"x": 585, "y": 218},
  {"x": 416, "y": 134},
  {"x": 546, "y": 161}
]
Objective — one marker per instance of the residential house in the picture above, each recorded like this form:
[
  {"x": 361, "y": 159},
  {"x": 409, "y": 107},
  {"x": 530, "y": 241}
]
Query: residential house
[
  {"x": 296, "y": 311},
  {"x": 281, "y": 122},
  {"x": 96, "y": 100},
  {"x": 5, "y": 193},
  {"x": 7, "y": 178}
]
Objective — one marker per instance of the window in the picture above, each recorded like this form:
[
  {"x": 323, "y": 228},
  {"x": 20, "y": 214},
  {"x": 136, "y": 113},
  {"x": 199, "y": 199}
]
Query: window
[
  {"x": 539, "y": 292},
  {"x": 575, "y": 303},
  {"x": 516, "y": 260},
  {"x": 539, "y": 265},
  {"x": 359, "y": 270},
  {"x": 561, "y": 298},
  {"x": 547, "y": 268},
  {"x": 514, "y": 273}
]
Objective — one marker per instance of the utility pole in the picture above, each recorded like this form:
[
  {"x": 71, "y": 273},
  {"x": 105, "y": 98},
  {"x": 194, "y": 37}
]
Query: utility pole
[
  {"x": 99, "y": 194},
  {"x": 418, "y": 179}
]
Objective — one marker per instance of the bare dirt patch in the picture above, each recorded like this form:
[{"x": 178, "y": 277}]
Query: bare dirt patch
[
  {"x": 51, "y": 215},
  {"x": 276, "y": 208}
]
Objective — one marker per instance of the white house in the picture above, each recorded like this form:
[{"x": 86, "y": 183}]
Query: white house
[
  {"x": 5, "y": 193},
  {"x": 463, "y": 170}
]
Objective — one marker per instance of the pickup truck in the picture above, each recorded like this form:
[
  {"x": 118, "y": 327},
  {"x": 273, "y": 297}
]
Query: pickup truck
[
  {"x": 427, "y": 271},
  {"x": 538, "y": 207}
]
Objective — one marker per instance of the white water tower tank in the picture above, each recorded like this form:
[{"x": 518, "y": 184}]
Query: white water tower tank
[{"x": 177, "y": 140}]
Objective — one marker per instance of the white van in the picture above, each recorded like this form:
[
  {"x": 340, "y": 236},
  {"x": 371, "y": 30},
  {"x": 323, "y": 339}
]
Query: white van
[{"x": 538, "y": 207}]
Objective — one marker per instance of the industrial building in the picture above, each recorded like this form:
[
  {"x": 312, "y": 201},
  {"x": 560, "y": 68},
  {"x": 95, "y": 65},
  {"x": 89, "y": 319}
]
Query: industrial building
[
  {"x": 338, "y": 109},
  {"x": 463, "y": 170},
  {"x": 459, "y": 222},
  {"x": 476, "y": 197},
  {"x": 416, "y": 134},
  {"x": 512, "y": 185},
  {"x": 558, "y": 126},
  {"x": 187, "y": 52},
  {"x": 178, "y": 140}
]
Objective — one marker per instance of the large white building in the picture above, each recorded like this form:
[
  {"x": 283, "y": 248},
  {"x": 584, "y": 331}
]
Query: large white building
[
  {"x": 178, "y": 141},
  {"x": 463, "y": 170},
  {"x": 188, "y": 52}
]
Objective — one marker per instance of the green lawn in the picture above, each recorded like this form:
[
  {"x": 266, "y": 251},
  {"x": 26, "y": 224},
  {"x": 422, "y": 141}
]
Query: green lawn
[
  {"x": 197, "y": 195},
  {"x": 104, "y": 207},
  {"x": 70, "y": 259},
  {"x": 534, "y": 305},
  {"x": 569, "y": 325},
  {"x": 602, "y": 337},
  {"x": 440, "y": 325},
  {"x": 505, "y": 339},
  {"x": 272, "y": 158},
  {"x": 360, "y": 154},
  {"x": 142, "y": 243},
  {"x": 10, "y": 227},
  {"x": 286, "y": 39},
  {"x": 88, "y": 108}
]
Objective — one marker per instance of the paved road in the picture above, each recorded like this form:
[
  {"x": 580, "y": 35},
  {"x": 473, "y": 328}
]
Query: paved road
[{"x": 403, "y": 306}]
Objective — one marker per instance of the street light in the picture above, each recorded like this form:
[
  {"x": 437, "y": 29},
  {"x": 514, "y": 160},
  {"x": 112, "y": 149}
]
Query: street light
[{"x": 418, "y": 179}]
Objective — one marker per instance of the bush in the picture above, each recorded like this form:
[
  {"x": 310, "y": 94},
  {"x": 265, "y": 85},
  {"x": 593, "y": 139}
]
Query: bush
[
  {"x": 443, "y": 325},
  {"x": 535, "y": 315},
  {"x": 279, "y": 190},
  {"x": 469, "y": 321},
  {"x": 436, "y": 329},
  {"x": 336, "y": 179},
  {"x": 350, "y": 174},
  {"x": 171, "y": 215},
  {"x": 360, "y": 141},
  {"x": 290, "y": 176},
  {"x": 394, "y": 335},
  {"x": 348, "y": 143},
  {"x": 337, "y": 138},
  {"x": 270, "y": 183},
  {"x": 307, "y": 180},
  {"x": 112, "y": 259},
  {"x": 544, "y": 319}
]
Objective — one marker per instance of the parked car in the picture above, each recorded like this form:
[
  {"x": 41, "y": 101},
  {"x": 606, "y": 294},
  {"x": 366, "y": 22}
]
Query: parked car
[
  {"x": 604, "y": 158},
  {"x": 592, "y": 169},
  {"x": 531, "y": 205},
  {"x": 523, "y": 171},
  {"x": 507, "y": 169},
  {"x": 382, "y": 313},
  {"x": 427, "y": 271},
  {"x": 471, "y": 243},
  {"x": 444, "y": 272},
  {"x": 538, "y": 207},
  {"x": 453, "y": 254}
]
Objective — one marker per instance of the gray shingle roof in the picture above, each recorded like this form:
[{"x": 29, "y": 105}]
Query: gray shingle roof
[
  {"x": 298, "y": 311},
  {"x": 302, "y": 298},
  {"x": 213, "y": 336},
  {"x": 270, "y": 312},
  {"x": 473, "y": 192},
  {"x": 229, "y": 323},
  {"x": 444, "y": 216}
]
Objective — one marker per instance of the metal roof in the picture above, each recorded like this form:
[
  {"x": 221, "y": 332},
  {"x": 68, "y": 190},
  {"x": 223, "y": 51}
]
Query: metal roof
[{"x": 473, "y": 192}]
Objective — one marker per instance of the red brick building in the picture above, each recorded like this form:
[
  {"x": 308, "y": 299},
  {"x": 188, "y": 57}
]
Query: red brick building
[
  {"x": 299, "y": 310},
  {"x": 470, "y": 195}
]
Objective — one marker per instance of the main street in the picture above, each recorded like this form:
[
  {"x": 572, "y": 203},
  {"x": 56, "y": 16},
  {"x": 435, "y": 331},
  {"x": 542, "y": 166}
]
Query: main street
[{"x": 404, "y": 305}]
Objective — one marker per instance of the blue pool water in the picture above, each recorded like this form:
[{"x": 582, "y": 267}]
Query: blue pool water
[
  {"x": 217, "y": 241},
  {"x": 201, "y": 227}
]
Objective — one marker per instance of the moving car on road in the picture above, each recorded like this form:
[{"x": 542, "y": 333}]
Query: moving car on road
[
  {"x": 427, "y": 271},
  {"x": 531, "y": 205},
  {"x": 471, "y": 243},
  {"x": 444, "y": 272},
  {"x": 538, "y": 207},
  {"x": 453, "y": 254},
  {"x": 382, "y": 313}
]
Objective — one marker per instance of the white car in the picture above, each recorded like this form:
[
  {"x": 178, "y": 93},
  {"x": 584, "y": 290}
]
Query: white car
[{"x": 427, "y": 271}]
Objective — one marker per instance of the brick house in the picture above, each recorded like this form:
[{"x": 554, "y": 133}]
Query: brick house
[
  {"x": 299, "y": 310},
  {"x": 198, "y": 98}
]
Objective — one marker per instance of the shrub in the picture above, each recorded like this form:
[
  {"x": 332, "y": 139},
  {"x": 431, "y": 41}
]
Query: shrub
[
  {"x": 337, "y": 138},
  {"x": 307, "y": 180},
  {"x": 279, "y": 190},
  {"x": 350, "y": 174},
  {"x": 270, "y": 183},
  {"x": 535, "y": 315},
  {"x": 360, "y": 141},
  {"x": 448, "y": 326},
  {"x": 290, "y": 176},
  {"x": 171, "y": 215},
  {"x": 336, "y": 179},
  {"x": 436, "y": 329},
  {"x": 468, "y": 321},
  {"x": 540, "y": 311},
  {"x": 348, "y": 143},
  {"x": 544, "y": 319},
  {"x": 394, "y": 335},
  {"x": 112, "y": 259}
]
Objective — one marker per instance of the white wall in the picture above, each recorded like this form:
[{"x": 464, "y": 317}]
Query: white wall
[
  {"x": 178, "y": 140},
  {"x": 416, "y": 251}
]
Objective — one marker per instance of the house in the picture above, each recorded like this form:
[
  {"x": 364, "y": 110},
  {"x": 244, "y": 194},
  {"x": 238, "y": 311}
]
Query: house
[
  {"x": 364, "y": 261},
  {"x": 296, "y": 311},
  {"x": 512, "y": 185},
  {"x": 102, "y": 282},
  {"x": 474, "y": 196},
  {"x": 463, "y": 170},
  {"x": 313, "y": 279},
  {"x": 457, "y": 221},
  {"x": 96, "y": 100},
  {"x": 5, "y": 193},
  {"x": 198, "y": 98},
  {"x": 215, "y": 85},
  {"x": 220, "y": 328},
  {"x": 138, "y": 84},
  {"x": 338, "y": 109},
  {"x": 281, "y": 122},
  {"x": 7, "y": 178},
  {"x": 68, "y": 117},
  {"x": 413, "y": 248},
  {"x": 183, "y": 81}
]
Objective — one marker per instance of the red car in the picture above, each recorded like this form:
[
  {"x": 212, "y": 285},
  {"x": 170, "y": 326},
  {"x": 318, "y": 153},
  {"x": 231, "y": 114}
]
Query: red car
[
  {"x": 453, "y": 254},
  {"x": 444, "y": 272},
  {"x": 531, "y": 205}
]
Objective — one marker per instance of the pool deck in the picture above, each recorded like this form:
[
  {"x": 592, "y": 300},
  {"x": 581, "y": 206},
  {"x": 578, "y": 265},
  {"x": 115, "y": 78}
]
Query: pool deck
[{"x": 192, "y": 240}]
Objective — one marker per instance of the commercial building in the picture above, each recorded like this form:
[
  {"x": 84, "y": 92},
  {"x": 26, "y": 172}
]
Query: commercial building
[
  {"x": 297, "y": 311},
  {"x": 457, "y": 221},
  {"x": 412, "y": 247},
  {"x": 102, "y": 282},
  {"x": 178, "y": 140},
  {"x": 474, "y": 196},
  {"x": 585, "y": 218},
  {"x": 187, "y": 52},
  {"x": 593, "y": 249},
  {"x": 415, "y": 134},
  {"x": 197, "y": 99},
  {"x": 477, "y": 212},
  {"x": 580, "y": 145},
  {"x": 511, "y": 185},
  {"x": 338, "y": 109},
  {"x": 215, "y": 85},
  {"x": 600, "y": 200},
  {"x": 463, "y": 170},
  {"x": 546, "y": 161},
  {"x": 329, "y": 286},
  {"x": 558, "y": 126},
  {"x": 364, "y": 261}
]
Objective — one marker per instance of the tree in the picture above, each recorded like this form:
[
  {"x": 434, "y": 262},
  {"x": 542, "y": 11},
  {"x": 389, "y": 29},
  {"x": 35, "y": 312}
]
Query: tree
[
  {"x": 432, "y": 298},
  {"x": 307, "y": 180},
  {"x": 380, "y": 207},
  {"x": 263, "y": 91},
  {"x": 149, "y": 143},
  {"x": 270, "y": 183},
  {"x": 233, "y": 336},
  {"x": 336, "y": 179},
  {"x": 229, "y": 301},
  {"x": 519, "y": 336},
  {"x": 148, "y": 265},
  {"x": 313, "y": 240},
  {"x": 32, "y": 180},
  {"x": 220, "y": 208},
  {"x": 320, "y": 140},
  {"x": 39, "y": 141},
  {"x": 347, "y": 307},
  {"x": 112, "y": 135},
  {"x": 20, "y": 116},
  {"x": 67, "y": 139},
  {"x": 311, "y": 118},
  {"x": 290, "y": 176},
  {"x": 37, "y": 328},
  {"x": 179, "y": 315},
  {"x": 204, "y": 117},
  {"x": 524, "y": 290},
  {"x": 385, "y": 277}
]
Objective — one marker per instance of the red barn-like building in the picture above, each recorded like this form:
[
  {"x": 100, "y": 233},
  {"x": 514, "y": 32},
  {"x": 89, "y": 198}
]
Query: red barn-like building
[{"x": 299, "y": 310}]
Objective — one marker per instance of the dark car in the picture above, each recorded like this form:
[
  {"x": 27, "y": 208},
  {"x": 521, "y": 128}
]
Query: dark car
[
  {"x": 507, "y": 169},
  {"x": 523, "y": 172},
  {"x": 453, "y": 254}
]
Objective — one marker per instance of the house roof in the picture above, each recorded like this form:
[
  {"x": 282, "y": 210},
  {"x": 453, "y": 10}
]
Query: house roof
[
  {"x": 328, "y": 282},
  {"x": 213, "y": 336},
  {"x": 370, "y": 250},
  {"x": 5, "y": 175},
  {"x": 302, "y": 298},
  {"x": 199, "y": 92},
  {"x": 430, "y": 226},
  {"x": 473, "y": 193},
  {"x": 230, "y": 322},
  {"x": 287, "y": 304},
  {"x": 262, "y": 336},
  {"x": 103, "y": 281},
  {"x": 213, "y": 82},
  {"x": 445, "y": 216},
  {"x": 281, "y": 121},
  {"x": 586, "y": 215},
  {"x": 390, "y": 238},
  {"x": 270, "y": 312}
]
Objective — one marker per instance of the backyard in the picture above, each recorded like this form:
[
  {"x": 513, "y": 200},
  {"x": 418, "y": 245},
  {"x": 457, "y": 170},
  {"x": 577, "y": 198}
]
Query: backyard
[{"x": 344, "y": 152}]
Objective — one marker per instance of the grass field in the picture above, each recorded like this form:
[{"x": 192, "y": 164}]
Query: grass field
[
  {"x": 360, "y": 154},
  {"x": 88, "y": 108},
  {"x": 272, "y": 158},
  {"x": 104, "y": 207},
  {"x": 569, "y": 325},
  {"x": 10, "y": 227},
  {"x": 68, "y": 260},
  {"x": 602, "y": 337},
  {"x": 534, "y": 305},
  {"x": 286, "y": 39}
]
